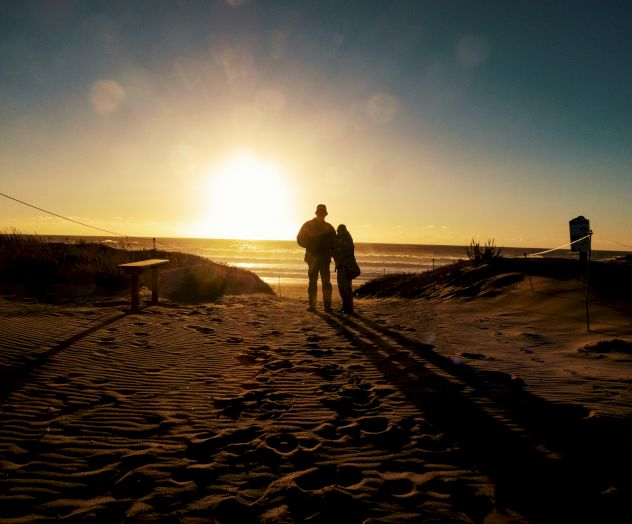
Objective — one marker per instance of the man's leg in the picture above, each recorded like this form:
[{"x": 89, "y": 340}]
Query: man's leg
[
  {"x": 312, "y": 289},
  {"x": 325, "y": 277}
]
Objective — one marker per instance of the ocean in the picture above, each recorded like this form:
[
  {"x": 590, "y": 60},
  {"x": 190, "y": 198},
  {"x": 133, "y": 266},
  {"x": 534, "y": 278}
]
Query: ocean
[{"x": 280, "y": 262}]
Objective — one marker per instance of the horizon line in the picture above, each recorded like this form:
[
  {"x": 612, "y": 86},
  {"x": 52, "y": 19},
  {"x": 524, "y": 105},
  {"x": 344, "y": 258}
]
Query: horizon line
[{"x": 150, "y": 238}]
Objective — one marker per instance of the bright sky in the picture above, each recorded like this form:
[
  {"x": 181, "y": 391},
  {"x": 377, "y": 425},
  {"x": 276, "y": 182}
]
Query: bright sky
[{"x": 429, "y": 122}]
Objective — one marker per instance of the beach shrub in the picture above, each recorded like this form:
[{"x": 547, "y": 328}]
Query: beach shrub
[
  {"x": 59, "y": 272},
  {"x": 488, "y": 253},
  {"x": 203, "y": 282}
]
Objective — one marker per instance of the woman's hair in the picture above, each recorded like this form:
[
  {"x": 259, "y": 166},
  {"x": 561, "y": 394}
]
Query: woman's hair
[{"x": 344, "y": 232}]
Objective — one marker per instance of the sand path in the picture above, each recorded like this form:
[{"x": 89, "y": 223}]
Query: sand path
[{"x": 253, "y": 410}]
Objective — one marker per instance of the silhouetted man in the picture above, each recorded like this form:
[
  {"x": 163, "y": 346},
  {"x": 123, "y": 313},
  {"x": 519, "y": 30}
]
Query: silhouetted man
[{"x": 318, "y": 238}]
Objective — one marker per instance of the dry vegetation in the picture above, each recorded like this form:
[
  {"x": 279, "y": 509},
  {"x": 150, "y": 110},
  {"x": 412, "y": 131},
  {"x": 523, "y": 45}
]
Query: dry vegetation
[
  {"x": 474, "y": 278},
  {"x": 57, "y": 272}
]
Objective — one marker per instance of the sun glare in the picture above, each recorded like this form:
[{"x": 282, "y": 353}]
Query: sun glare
[{"x": 248, "y": 199}]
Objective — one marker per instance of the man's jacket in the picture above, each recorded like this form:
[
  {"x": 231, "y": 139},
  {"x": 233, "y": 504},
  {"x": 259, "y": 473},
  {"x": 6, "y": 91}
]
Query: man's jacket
[{"x": 318, "y": 238}]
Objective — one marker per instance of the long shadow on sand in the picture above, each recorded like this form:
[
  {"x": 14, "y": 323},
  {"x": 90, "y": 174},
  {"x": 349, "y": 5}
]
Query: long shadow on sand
[
  {"x": 22, "y": 374},
  {"x": 548, "y": 461}
]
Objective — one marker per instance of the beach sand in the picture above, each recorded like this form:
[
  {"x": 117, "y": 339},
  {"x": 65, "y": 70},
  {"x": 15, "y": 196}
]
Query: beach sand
[{"x": 252, "y": 409}]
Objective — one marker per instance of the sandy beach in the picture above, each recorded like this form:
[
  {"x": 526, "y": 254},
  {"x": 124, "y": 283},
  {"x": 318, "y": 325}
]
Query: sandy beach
[
  {"x": 251, "y": 409},
  {"x": 173, "y": 176}
]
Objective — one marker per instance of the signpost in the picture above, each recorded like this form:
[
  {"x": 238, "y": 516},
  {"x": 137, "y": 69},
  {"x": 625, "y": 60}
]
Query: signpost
[
  {"x": 580, "y": 229},
  {"x": 581, "y": 235}
]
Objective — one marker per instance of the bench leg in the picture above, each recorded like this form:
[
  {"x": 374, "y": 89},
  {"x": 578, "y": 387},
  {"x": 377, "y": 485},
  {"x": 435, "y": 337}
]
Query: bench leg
[
  {"x": 135, "y": 292},
  {"x": 154, "y": 285}
]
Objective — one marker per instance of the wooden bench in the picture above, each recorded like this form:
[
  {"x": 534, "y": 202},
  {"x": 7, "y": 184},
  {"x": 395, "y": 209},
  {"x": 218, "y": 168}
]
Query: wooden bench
[{"x": 134, "y": 269}]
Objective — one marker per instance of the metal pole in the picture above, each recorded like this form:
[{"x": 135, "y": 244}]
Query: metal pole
[
  {"x": 154, "y": 285},
  {"x": 135, "y": 292},
  {"x": 587, "y": 281},
  {"x": 530, "y": 281}
]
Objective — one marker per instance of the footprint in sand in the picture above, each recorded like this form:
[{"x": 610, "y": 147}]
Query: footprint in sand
[
  {"x": 373, "y": 424},
  {"x": 327, "y": 430},
  {"x": 254, "y": 355},
  {"x": 352, "y": 400},
  {"x": 230, "y": 408},
  {"x": 246, "y": 359},
  {"x": 308, "y": 443},
  {"x": 399, "y": 487},
  {"x": 204, "y": 446},
  {"x": 319, "y": 353},
  {"x": 320, "y": 477},
  {"x": 329, "y": 371},
  {"x": 273, "y": 409},
  {"x": 278, "y": 448},
  {"x": 282, "y": 442},
  {"x": 275, "y": 365},
  {"x": 201, "y": 329},
  {"x": 316, "y": 478},
  {"x": 385, "y": 433},
  {"x": 535, "y": 338}
]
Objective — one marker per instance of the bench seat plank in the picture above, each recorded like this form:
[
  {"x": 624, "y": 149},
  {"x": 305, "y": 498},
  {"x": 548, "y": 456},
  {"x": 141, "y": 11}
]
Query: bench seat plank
[
  {"x": 144, "y": 264},
  {"x": 134, "y": 269}
]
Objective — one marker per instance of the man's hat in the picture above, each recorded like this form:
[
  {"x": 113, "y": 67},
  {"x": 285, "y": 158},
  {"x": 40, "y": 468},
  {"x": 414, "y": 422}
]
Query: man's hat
[{"x": 321, "y": 207}]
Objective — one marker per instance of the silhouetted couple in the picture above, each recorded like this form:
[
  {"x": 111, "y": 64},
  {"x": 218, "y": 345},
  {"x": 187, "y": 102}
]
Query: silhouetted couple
[{"x": 321, "y": 242}]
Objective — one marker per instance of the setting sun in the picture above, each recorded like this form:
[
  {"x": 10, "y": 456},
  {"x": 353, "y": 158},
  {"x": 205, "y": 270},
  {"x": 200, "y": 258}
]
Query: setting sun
[{"x": 248, "y": 198}]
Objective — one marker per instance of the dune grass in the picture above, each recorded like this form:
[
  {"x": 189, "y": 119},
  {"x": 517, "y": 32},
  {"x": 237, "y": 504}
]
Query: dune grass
[
  {"x": 472, "y": 278},
  {"x": 31, "y": 267}
]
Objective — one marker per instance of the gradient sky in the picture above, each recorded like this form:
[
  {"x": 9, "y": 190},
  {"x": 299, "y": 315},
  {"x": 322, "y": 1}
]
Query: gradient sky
[{"x": 429, "y": 122}]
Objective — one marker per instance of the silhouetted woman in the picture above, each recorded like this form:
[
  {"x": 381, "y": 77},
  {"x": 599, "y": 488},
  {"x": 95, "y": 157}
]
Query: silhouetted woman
[{"x": 346, "y": 267}]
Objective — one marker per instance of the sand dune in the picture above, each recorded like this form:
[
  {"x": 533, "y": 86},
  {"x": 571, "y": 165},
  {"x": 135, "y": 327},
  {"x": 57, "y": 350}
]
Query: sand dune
[{"x": 254, "y": 410}]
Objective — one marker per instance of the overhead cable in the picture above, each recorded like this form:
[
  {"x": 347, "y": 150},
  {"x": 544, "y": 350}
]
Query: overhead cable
[
  {"x": 60, "y": 216},
  {"x": 560, "y": 247},
  {"x": 77, "y": 222}
]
